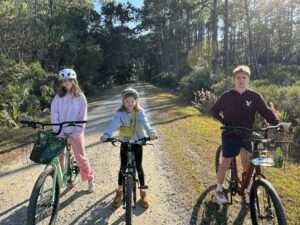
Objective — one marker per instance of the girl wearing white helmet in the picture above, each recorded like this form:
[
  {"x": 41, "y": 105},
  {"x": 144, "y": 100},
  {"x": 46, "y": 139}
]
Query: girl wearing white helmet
[
  {"x": 132, "y": 123},
  {"x": 70, "y": 104}
]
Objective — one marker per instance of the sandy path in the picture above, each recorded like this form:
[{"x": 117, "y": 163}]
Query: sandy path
[{"x": 78, "y": 207}]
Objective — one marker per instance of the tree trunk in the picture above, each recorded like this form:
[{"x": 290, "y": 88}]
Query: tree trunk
[
  {"x": 252, "y": 52},
  {"x": 226, "y": 51},
  {"x": 214, "y": 16}
]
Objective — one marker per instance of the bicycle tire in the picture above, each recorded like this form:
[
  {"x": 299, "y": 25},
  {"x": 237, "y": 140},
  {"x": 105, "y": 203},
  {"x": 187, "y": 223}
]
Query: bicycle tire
[
  {"x": 274, "y": 197},
  {"x": 32, "y": 208},
  {"x": 128, "y": 201}
]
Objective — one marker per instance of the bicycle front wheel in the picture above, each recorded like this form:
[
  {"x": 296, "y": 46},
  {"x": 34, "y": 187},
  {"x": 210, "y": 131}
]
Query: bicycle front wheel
[
  {"x": 128, "y": 199},
  {"x": 265, "y": 204},
  {"x": 44, "y": 200}
]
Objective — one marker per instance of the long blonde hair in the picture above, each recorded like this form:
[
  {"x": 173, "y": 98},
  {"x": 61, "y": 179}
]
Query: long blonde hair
[{"x": 75, "y": 91}]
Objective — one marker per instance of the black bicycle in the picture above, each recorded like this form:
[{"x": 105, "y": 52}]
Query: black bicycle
[
  {"x": 265, "y": 203},
  {"x": 129, "y": 176}
]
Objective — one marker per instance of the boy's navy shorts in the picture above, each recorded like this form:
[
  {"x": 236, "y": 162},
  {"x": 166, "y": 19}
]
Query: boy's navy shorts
[{"x": 232, "y": 146}]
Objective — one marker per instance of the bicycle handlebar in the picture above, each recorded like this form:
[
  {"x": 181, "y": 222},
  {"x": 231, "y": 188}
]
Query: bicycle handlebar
[
  {"x": 276, "y": 127},
  {"x": 36, "y": 125},
  {"x": 142, "y": 141},
  {"x": 260, "y": 133}
]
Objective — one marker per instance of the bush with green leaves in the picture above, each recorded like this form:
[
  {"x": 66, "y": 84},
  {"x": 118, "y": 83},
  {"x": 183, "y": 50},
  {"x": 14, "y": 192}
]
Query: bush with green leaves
[
  {"x": 25, "y": 91},
  {"x": 222, "y": 85},
  {"x": 197, "y": 80},
  {"x": 204, "y": 100},
  {"x": 285, "y": 99},
  {"x": 166, "y": 79},
  {"x": 283, "y": 75}
]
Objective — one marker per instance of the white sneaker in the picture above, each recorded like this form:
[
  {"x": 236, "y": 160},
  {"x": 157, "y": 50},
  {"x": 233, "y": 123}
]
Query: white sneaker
[
  {"x": 91, "y": 186},
  {"x": 220, "y": 196}
]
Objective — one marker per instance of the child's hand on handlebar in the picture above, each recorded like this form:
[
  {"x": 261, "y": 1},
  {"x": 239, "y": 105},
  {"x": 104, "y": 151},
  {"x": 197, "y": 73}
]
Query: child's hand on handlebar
[
  {"x": 153, "y": 136},
  {"x": 285, "y": 126},
  {"x": 104, "y": 138}
]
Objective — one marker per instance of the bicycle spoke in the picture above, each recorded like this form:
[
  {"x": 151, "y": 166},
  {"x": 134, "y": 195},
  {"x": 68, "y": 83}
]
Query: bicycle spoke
[
  {"x": 265, "y": 209},
  {"x": 45, "y": 202}
]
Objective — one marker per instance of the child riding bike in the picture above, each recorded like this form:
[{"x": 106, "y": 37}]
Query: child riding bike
[
  {"x": 70, "y": 104},
  {"x": 238, "y": 107},
  {"x": 132, "y": 123}
]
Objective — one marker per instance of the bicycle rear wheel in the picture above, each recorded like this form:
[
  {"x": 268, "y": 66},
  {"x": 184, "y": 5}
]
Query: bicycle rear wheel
[
  {"x": 218, "y": 161},
  {"x": 128, "y": 199},
  {"x": 265, "y": 204},
  {"x": 44, "y": 200}
]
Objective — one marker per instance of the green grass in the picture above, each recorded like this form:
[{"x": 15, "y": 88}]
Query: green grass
[{"x": 190, "y": 139}]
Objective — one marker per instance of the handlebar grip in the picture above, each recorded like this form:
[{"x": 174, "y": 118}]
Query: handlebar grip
[
  {"x": 147, "y": 138},
  {"x": 109, "y": 139}
]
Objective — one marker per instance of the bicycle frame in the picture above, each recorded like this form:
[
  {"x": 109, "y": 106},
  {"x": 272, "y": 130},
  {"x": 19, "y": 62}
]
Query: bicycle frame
[
  {"x": 61, "y": 175},
  {"x": 130, "y": 169},
  {"x": 236, "y": 184}
]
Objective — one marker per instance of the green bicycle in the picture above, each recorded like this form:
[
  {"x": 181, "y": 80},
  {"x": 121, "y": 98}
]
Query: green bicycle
[{"x": 44, "y": 201}]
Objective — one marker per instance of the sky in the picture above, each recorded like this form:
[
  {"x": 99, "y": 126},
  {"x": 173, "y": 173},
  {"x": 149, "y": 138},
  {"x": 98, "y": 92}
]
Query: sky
[{"x": 137, "y": 3}]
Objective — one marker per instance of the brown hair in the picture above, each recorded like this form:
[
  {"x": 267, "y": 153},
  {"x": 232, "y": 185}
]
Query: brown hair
[
  {"x": 242, "y": 69},
  {"x": 137, "y": 107},
  {"x": 76, "y": 91}
]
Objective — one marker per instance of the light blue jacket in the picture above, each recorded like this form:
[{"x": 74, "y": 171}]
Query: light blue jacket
[{"x": 123, "y": 119}]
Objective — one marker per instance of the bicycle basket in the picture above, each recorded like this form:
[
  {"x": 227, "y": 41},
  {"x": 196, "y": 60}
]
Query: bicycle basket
[
  {"x": 273, "y": 155},
  {"x": 47, "y": 147}
]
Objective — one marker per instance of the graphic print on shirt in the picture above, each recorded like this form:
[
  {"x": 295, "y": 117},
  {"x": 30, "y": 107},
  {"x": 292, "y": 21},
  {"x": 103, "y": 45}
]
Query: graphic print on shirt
[
  {"x": 124, "y": 123},
  {"x": 221, "y": 114},
  {"x": 248, "y": 103}
]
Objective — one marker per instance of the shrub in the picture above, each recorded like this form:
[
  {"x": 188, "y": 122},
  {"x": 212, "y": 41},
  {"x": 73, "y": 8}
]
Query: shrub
[
  {"x": 166, "y": 79},
  {"x": 196, "y": 80},
  {"x": 286, "y": 100},
  {"x": 258, "y": 83},
  {"x": 204, "y": 100},
  {"x": 281, "y": 74},
  {"x": 25, "y": 91},
  {"x": 221, "y": 86}
]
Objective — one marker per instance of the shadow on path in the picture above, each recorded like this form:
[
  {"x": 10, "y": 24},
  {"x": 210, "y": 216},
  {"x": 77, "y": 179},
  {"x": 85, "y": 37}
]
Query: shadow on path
[
  {"x": 207, "y": 212},
  {"x": 96, "y": 214}
]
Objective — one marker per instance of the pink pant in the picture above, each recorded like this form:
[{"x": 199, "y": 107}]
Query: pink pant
[{"x": 78, "y": 146}]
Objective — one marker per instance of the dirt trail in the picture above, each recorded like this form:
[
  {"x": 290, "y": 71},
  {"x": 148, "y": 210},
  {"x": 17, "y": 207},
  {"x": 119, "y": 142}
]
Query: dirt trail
[{"x": 78, "y": 207}]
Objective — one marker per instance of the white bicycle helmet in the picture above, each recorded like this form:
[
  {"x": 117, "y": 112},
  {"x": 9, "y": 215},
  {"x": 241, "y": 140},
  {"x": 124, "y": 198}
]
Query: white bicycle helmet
[
  {"x": 130, "y": 92},
  {"x": 67, "y": 74}
]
